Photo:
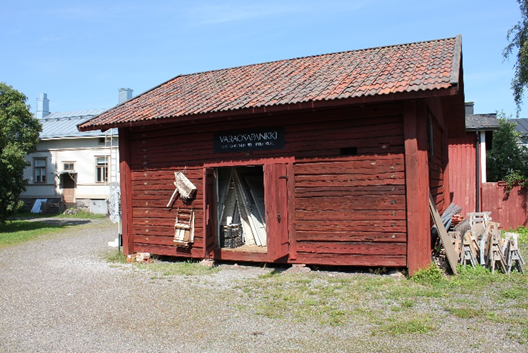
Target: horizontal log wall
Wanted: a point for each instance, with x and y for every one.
(349, 209)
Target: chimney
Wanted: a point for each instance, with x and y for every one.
(42, 106)
(124, 95)
(469, 108)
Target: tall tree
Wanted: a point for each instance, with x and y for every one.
(19, 132)
(518, 40)
(508, 159)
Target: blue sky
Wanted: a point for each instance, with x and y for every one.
(81, 52)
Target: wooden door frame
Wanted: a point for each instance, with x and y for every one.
(210, 212)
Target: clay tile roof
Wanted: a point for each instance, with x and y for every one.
(382, 72)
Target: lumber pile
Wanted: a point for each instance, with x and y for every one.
(241, 205)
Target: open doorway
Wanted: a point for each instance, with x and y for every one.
(241, 209)
(67, 182)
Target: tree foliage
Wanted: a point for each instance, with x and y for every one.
(19, 132)
(518, 41)
(508, 159)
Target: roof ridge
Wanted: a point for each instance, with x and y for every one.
(313, 56)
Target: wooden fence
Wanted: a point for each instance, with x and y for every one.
(509, 209)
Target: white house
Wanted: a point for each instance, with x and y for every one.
(73, 168)
(521, 125)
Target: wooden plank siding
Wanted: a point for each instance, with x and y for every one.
(352, 209)
(348, 195)
(509, 209)
(462, 172)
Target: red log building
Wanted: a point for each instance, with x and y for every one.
(333, 155)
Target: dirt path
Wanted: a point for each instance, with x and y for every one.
(60, 295)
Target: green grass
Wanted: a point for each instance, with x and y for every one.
(414, 325)
(185, 268)
(19, 231)
(388, 305)
(466, 313)
(116, 256)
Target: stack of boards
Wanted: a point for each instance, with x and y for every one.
(241, 203)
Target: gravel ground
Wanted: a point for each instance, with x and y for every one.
(60, 295)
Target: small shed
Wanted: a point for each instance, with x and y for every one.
(326, 159)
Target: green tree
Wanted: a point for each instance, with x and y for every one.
(19, 132)
(518, 40)
(508, 159)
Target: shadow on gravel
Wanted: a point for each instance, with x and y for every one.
(38, 223)
(13, 227)
(64, 222)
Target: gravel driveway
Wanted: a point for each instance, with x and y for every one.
(60, 295)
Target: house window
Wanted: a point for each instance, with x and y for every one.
(68, 166)
(40, 170)
(101, 169)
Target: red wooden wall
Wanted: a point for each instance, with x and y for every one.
(462, 172)
(510, 210)
(437, 164)
(343, 209)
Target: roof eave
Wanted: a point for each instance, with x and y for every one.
(263, 110)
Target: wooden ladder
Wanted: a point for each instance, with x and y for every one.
(184, 227)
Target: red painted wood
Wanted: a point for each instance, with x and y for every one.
(417, 182)
(510, 210)
(352, 260)
(352, 248)
(169, 250)
(373, 215)
(209, 211)
(352, 235)
(158, 239)
(345, 224)
(276, 180)
(333, 198)
(348, 203)
(462, 172)
(126, 196)
(291, 213)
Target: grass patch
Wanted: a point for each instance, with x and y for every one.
(429, 275)
(415, 325)
(466, 313)
(514, 293)
(187, 268)
(19, 231)
(116, 256)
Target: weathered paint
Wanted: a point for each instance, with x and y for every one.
(509, 209)
(462, 172)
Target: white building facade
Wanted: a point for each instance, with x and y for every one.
(70, 168)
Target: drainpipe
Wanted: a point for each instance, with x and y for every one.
(477, 175)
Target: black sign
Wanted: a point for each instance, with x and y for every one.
(249, 140)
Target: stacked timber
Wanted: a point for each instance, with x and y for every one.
(241, 208)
